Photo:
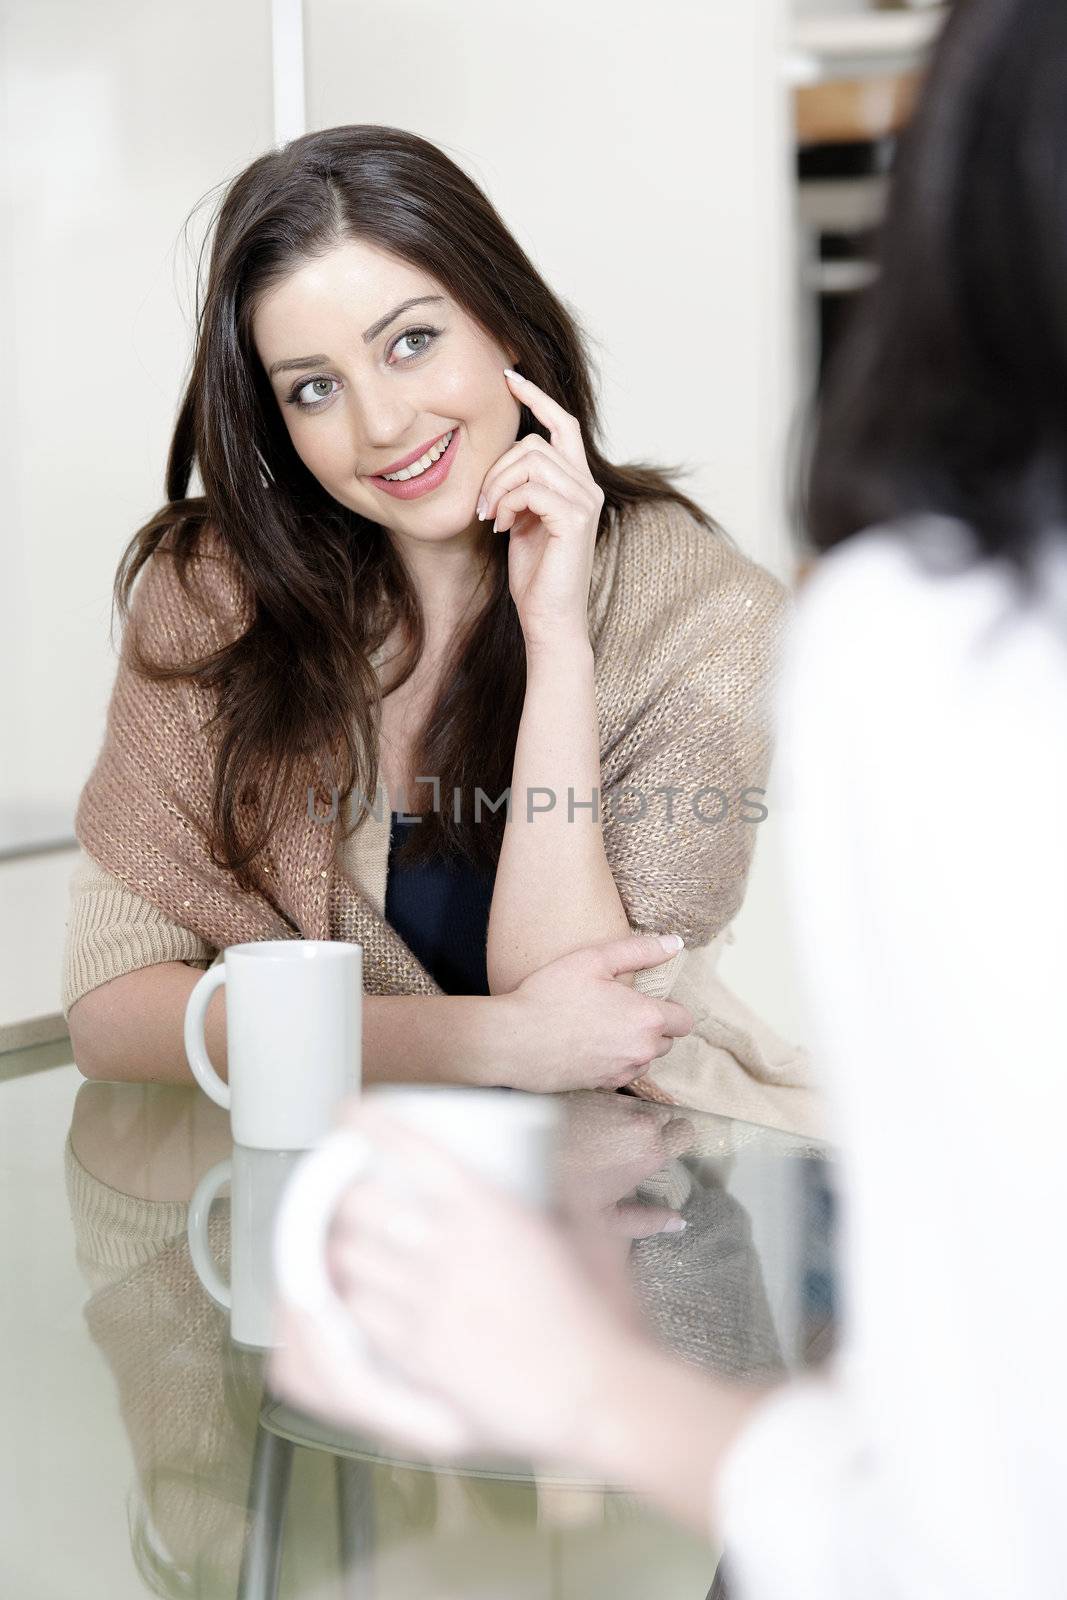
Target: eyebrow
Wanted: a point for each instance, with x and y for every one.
(371, 333)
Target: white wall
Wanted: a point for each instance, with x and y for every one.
(117, 119)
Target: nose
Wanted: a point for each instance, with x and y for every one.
(383, 421)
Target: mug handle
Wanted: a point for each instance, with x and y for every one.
(195, 1048)
(302, 1228)
(196, 1228)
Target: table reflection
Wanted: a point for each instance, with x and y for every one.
(235, 1492)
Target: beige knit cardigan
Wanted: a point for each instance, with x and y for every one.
(686, 632)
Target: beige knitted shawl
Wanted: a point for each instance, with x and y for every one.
(685, 631)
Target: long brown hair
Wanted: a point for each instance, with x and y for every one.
(948, 392)
(326, 585)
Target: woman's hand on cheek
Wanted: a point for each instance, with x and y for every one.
(544, 493)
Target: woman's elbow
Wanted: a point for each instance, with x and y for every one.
(95, 1035)
(79, 1027)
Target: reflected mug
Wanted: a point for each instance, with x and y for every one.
(257, 1179)
(294, 1015)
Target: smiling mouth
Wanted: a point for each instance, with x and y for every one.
(403, 486)
(421, 463)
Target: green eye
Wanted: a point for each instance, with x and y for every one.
(309, 405)
(429, 335)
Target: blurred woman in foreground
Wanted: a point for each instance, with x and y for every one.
(922, 769)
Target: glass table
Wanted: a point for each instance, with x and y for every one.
(144, 1455)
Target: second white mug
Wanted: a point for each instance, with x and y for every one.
(508, 1136)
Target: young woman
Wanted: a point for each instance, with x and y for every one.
(923, 748)
(413, 570)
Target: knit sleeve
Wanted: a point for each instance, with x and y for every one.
(684, 780)
(111, 931)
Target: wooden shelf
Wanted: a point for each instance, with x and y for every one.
(848, 110)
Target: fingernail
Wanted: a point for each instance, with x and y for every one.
(675, 1225)
(509, 372)
(483, 507)
(671, 941)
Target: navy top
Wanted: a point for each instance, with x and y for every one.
(441, 911)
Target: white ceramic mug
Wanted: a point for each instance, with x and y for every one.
(257, 1179)
(507, 1136)
(294, 1016)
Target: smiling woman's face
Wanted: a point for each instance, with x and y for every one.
(362, 388)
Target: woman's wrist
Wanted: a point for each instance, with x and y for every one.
(493, 1045)
(501, 1057)
(567, 649)
(481, 1040)
(662, 1428)
(432, 1038)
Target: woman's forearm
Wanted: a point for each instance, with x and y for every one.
(132, 1029)
(433, 1038)
(554, 890)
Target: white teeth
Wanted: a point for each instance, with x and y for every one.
(433, 454)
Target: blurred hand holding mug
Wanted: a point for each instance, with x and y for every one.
(509, 1138)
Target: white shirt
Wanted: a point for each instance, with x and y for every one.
(922, 779)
